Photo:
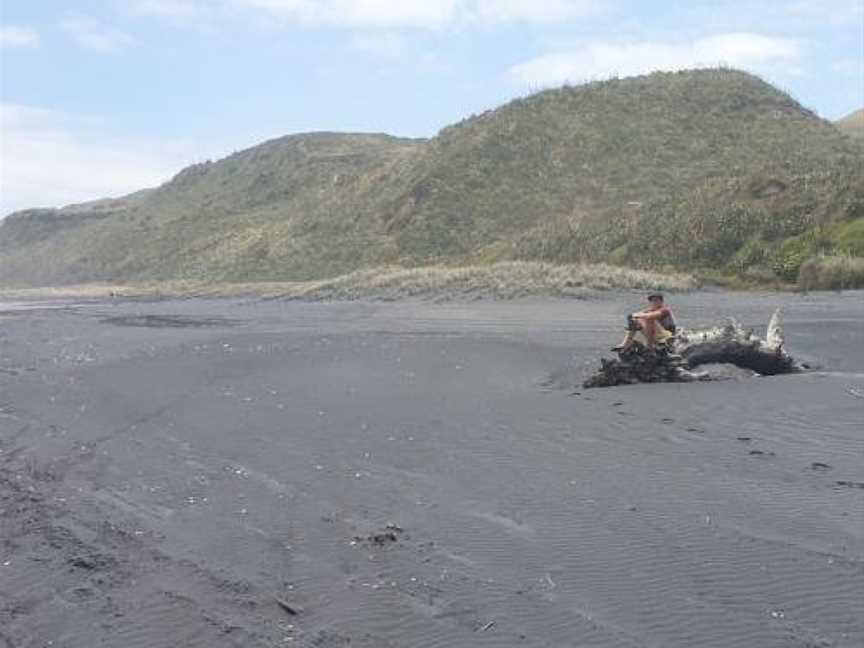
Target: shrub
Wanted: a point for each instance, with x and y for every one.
(831, 273)
(504, 280)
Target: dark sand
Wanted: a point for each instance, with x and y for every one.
(168, 470)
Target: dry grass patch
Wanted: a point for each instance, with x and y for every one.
(82, 291)
(832, 273)
(505, 280)
(153, 290)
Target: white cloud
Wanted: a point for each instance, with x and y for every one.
(537, 11)
(93, 35)
(52, 159)
(429, 14)
(826, 12)
(426, 14)
(386, 45)
(393, 51)
(850, 67)
(204, 16)
(18, 37)
(602, 60)
(367, 13)
(169, 8)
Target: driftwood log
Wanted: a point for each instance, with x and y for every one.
(675, 362)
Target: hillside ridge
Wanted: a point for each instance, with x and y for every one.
(712, 170)
(852, 124)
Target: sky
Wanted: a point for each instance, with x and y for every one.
(104, 97)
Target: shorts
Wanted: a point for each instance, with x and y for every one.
(663, 334)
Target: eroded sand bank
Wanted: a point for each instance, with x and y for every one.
(170, 471)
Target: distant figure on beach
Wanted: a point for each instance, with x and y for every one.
(657, 324)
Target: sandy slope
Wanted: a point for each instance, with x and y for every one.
(169, 469)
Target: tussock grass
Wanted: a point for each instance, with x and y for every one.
(505, 280)
(832, 273)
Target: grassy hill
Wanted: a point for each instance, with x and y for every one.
(258, 214)
(709, 170)
(853, 124)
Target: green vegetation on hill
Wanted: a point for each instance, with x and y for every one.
(265, 213)
(853, 124)
(702, 170)
(832, 273)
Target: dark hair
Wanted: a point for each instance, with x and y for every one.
(655, 296)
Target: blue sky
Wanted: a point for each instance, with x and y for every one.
(101, 97)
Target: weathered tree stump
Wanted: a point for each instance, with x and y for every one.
(674, 362)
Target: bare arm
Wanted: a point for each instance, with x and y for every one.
(649, 315)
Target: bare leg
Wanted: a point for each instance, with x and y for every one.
(649, 330)
(625, 343)
(633, 325)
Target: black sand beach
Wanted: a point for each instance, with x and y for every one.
(411, 475)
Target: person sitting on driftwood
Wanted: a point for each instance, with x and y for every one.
(657, 324)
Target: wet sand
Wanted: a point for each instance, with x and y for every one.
(260, 473)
